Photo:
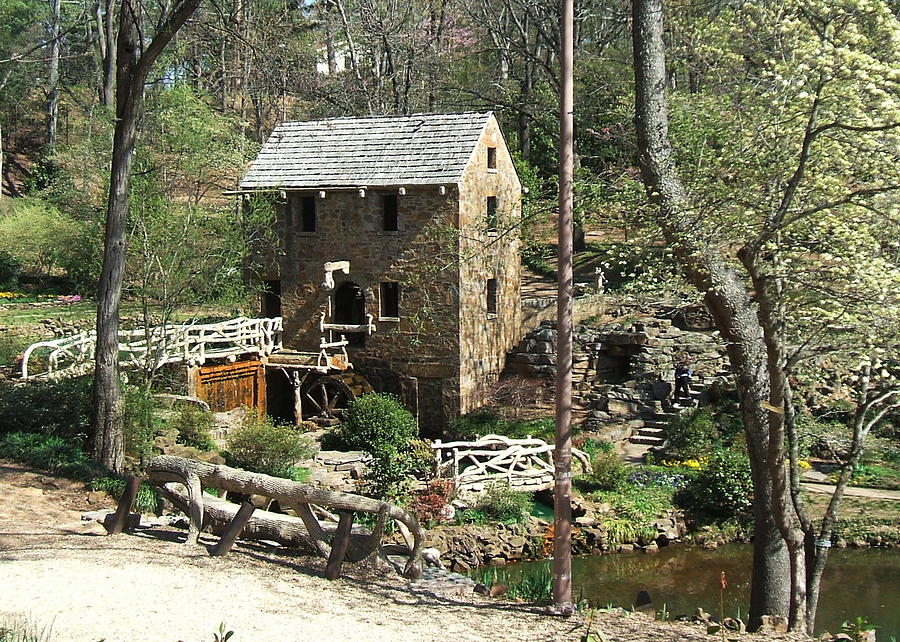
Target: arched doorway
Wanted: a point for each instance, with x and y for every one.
(350, 309)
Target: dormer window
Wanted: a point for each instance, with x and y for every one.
(492, 158)
(389, 218)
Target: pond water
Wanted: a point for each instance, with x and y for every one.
(857, 582)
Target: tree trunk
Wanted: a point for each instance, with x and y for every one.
(725, 294)
(132, 69)
(108, 50)
(53, 81)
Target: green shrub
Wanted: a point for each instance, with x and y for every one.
(194, 425)
(377, 422)
(12, 347)
(422, 459)
(691, 434)
(142, 423)
(607, 471)
(10, 267)
(47, 452)
(148, 499)
(380, 425)
(60, 408)
(487, 422)
(723, 487)
(500, 503)
(261, 446)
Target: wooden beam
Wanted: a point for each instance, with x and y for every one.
(234, 529)
(117, 524)
(339, 547)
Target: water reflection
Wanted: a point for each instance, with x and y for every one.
(856, 582)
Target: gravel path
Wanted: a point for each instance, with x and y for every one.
(65, 577)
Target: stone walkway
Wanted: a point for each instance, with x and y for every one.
(854, 491)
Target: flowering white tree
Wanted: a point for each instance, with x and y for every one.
(781, 207)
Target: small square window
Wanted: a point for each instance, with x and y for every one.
(492, 296)
(390, 300)
(492, 158)
(389, 218)
(491, 207)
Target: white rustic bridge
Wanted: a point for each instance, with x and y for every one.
(525, 464)
(190, 343)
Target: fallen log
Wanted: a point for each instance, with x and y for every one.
(205, 510)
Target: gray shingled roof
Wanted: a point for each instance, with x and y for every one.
(383, 150)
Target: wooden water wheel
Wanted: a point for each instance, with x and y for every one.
(325, 397)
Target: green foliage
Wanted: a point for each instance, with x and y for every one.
(692, 434)
(377, 422)
(37, 235)
(500, 503)
(61, 408)
(194, 425)
(723, 487)
(142, 423)
(534, 585)
(148, 499)
(222, 635)
(47, 452)
(607, 471)
(381, 426)
(422, 459)
(261, 446)
(12, 347)
(10, 267)
(486, 422)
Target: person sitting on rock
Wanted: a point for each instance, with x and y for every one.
(683, 373)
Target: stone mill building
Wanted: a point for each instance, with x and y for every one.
(425, 208)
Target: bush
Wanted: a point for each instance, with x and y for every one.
(429, 505)
(142, 424)
(261, 446)
(377, 422)
(487, 422)
(380, 425)
(501, 503)
(9, 271)
(194, 425)
(723, 488)
(691, 434)
(48, 452)
(59, 408)
(607, 471)
(148, 499)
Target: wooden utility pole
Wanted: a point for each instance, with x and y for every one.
(562, 459)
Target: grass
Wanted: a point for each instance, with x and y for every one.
(536, 585)
(21, 630)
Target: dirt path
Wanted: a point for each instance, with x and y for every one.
(64, 576)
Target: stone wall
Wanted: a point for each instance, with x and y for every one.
(445, 350)
(617, 368)
(486, 336)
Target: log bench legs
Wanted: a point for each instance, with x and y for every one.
(116, 524)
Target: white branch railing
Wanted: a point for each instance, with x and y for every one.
(525, 464)
(154, 347)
